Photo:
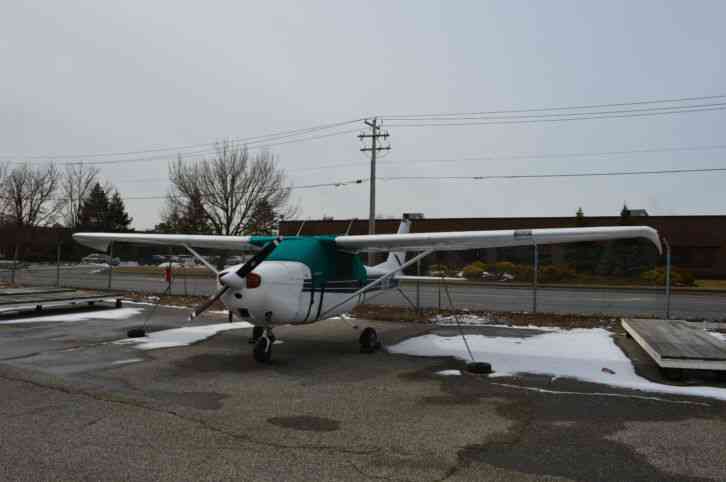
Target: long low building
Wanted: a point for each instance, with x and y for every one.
(698, 243)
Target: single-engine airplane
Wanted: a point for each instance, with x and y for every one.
(303, 279)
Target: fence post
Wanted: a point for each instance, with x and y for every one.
(441, 281)
(57, 265)
(110, 264)
(534, 278)
(15, 265)
(418, 287)
(668, 278)
(184, 275)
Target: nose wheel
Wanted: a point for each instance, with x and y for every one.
(263, 346)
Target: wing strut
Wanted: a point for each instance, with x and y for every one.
(201, 259)
(378, 281)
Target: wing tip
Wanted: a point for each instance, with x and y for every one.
(91, 240)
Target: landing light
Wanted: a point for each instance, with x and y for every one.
(253, 280)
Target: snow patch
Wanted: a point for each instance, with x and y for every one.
(589, 355)
(720, 336)
(448, 373)
(180, 336)
(111, 314)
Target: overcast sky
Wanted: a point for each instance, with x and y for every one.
(108, 77)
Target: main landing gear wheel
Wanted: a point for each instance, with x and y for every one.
(263, 349)
(263, 345)
(369, 341)
(257, 333)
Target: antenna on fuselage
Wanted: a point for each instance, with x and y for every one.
(350, 225)
(299, 230)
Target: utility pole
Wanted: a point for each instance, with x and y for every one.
(374, 148)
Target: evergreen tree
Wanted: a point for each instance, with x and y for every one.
(118, 219)
(579, 217)
(95, 209)
(624, 214)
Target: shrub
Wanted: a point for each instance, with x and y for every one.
(505, 267)
(557, 273)
(522, 272)
(481, 265)
(679, 277)
(472, 272)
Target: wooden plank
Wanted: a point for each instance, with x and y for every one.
(678, 340)
(55, 297)
(636, 328)
(26, 291)
(40, 298)
(679, 345)
(696, 340)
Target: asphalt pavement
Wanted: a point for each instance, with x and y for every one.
(77, 407)
(614, 302)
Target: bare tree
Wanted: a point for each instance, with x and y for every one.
(77, 182)
(31, 194)
(232, 187)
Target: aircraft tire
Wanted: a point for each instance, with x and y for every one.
(136, 333)
(369, 341)
(263, 350)
(482, 368)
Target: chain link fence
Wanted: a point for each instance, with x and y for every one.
(623, 278)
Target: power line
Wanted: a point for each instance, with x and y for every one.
(151, 197)
(198, 152)
(571, 107)
(570, 114)
(497, 177)
(551, 176)
(504, 157)
(259, 139)
(573, 117)
(351, 182)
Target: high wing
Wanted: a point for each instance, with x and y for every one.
(101, 241)
(461, 240)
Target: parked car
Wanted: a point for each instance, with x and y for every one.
(98, 258)
(234, 260)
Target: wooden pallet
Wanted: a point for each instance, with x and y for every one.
(27, 299)
(677, 344)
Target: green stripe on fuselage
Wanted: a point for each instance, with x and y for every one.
(320, 254)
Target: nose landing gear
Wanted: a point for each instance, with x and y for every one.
(369, 341)
(263, 344)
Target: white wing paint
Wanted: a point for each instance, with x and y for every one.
(101, 241)
(444, 241)
(461, 240)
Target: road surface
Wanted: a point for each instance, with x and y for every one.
(614, 302)
(78, 407)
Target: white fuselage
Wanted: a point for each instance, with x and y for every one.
(286, 295)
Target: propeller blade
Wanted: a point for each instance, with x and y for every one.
(205, 306)
(258, 258)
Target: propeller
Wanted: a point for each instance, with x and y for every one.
(235, 279)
